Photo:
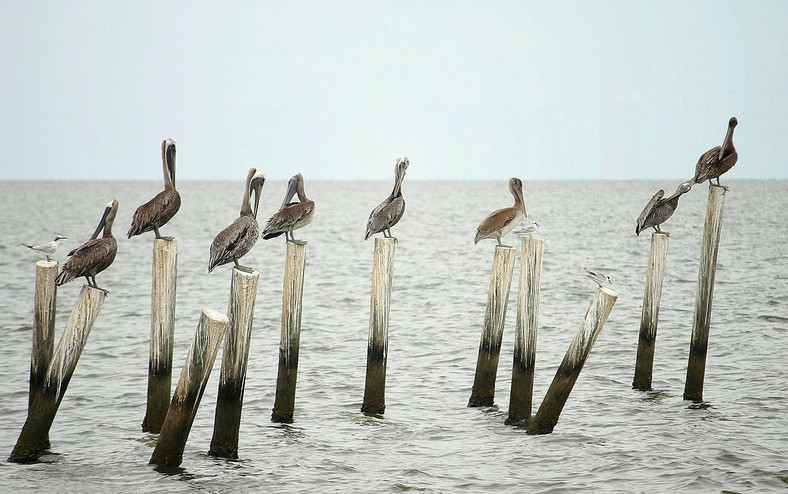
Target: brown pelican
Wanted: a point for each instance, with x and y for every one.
(95, 255)
(658, 210)
(236, 240)
(502, 221)
(158, 211)
(599, 278)
(718, 159)
(48, 248)
(389, 212)
(291, 215)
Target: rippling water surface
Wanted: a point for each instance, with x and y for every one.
(610, 438)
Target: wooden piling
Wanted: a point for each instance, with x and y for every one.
(377, 346)
(547, 416)
(696, 367)
(483, 392)
(649, 318)
(33, 440)
(162, 332)
(235, 356)
(191, 385)
(523, 365)
(44, 308)
(292, 295)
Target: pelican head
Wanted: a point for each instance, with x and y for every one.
(727, 144)
(168, 160)
(401, 166)
(108, 217)
(516, 188)
(683, 188)
(256, 186)
(293, 186)
(733, 122)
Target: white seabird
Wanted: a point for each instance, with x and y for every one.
(599, 278)
(47, 249)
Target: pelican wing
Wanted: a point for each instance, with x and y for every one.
(88, 259)
(704, 169)
(496, 221)
(158, 211)
(289, 217)
(385, 215)
(234, 241)
(648, 210)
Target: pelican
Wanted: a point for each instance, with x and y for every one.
(658, 210)
(599, 278)
(718, 159)
(502, 221)
(47, 249)
(291, 215)
(236, 240)
(389, 212)
(527, 230)
(158, 211)
(95, 255)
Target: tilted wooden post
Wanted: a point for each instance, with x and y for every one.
(235, 356)
(547, 416)
(292, 295)
(34, 439)
(696, 367)
(377, 346)
(44, 309)
(649, 318)
(483, 392)
(191, 385)
(162, 332)
(524, 361)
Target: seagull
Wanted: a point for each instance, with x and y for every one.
(527, 230)
(47, 249)
(599, 278)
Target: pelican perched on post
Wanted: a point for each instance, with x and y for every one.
(389, 212)
(95, 255)
(158, 211)
(658, 210)
(47, 249)
(236, 240)
(502, 221)
(291, 215)
(718, 159)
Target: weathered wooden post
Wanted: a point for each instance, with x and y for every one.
(649, 318)
(547, 416)
(521, 394)
(292, 295)
(44, 309)
(191, 385)
(377, 346)
(483, 392)
(235, 356)
(34, 437)
(162, 332)
(696, 367)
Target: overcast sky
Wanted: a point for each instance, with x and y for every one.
(341, 89)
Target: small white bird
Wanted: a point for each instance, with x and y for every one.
(599, 278)
(48, 248)
(527, 230)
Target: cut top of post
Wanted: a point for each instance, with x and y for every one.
(44, 264)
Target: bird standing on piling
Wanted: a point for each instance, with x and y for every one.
(236, 240)
(47, 249)
(599, 278)
(291, 215)
(389, 212)
(527, 230)
(658, 210)
(718, 159)
(95, 255)
(158, 211)
(502, 221)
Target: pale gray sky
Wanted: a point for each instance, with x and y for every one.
(340, 89)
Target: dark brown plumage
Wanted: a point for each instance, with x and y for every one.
(95, 255)
(291, 215)
(389, 212)
(158, 211)
(718, 159)
(658, 210)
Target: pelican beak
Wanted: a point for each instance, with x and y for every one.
(103, 221)
(168, 154)
(522, 200)
(292, 188)
(257, 188)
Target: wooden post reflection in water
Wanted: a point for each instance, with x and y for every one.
(547, 416)
(649, 318)
(483, 392)
(524, 361)
(292, 295)
(377, 346)
(34, 438)
(235, 356)
(191, 385)
(162, 332)
(44, 309)
(696, 367)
